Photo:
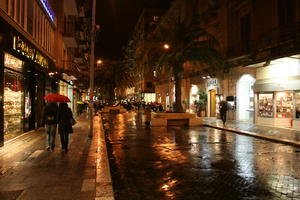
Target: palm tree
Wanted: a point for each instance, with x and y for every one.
(113, 78)
(188, 43)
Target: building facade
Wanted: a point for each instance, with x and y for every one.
(31, 65)
(260, 80)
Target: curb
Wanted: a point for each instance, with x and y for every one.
(248, 133)
(104, 186)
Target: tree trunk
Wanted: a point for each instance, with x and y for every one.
(111, 95)
(178, 105)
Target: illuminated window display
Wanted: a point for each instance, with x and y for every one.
(284, 104)
(13, 96)
(265, 105)
(297, 106)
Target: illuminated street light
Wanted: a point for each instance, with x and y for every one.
(99, 62)
(166, 46)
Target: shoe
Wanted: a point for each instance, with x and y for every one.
(48, 148)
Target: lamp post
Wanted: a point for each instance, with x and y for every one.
(92, 70)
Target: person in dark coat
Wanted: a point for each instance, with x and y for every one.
(223, 110)
(64, 116)
(49, 120)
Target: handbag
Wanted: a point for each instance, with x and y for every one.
(73, 121)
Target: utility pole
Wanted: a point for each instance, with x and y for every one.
(92, 70)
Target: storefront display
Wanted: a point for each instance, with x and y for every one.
(12, 102)
(265, 105)
(284, 105)
(297, 105)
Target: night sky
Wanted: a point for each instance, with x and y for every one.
(117, 19)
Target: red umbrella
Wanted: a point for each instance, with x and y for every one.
(57, 98)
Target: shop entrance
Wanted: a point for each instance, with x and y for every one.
(245, 98)
(212, 103)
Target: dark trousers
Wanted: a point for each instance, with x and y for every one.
(223, 115)
(64, 139)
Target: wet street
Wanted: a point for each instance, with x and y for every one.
(197, 163)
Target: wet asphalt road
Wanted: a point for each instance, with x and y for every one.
(197, 163)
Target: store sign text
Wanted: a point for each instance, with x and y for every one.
(27, 50)
(212, 82)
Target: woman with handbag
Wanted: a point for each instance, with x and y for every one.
(65, 121)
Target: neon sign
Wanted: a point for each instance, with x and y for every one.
(48, 9)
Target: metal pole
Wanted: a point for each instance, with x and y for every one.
(92, 66)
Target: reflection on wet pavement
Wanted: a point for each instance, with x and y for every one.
(197, 163)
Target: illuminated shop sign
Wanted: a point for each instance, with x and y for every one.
(13, 62)
(29, 51)
(212, 82)
(48, 9)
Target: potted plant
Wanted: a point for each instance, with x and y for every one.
(201, 102)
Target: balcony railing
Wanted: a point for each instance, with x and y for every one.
(70, 29)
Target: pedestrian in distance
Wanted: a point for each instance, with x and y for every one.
(49, 120)
(223, 111)
(65, 121)
(147, 113)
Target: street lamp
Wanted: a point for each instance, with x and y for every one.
(99, 62)
(166, 46)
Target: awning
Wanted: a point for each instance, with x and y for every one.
(271, 85)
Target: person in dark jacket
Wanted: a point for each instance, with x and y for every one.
(64, 117)
(223, 110)
(49, 119)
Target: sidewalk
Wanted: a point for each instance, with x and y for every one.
(282, 135)
(29, 172)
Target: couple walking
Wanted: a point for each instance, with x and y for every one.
(61, 115)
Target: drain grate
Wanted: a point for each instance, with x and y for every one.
(10, 195)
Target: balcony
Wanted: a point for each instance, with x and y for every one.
(70, 33)
(277, 42)
(278, 36)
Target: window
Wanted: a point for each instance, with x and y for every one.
(286, 12)
(149, 85)
(155, 18)
(265, 105)
(245, 32)
(284, 105)
(13, 98)
(297, 105)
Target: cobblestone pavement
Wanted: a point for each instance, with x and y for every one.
(29, 172)
(183, 163)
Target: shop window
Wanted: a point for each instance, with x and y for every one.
(265, 105)
(297, 106)
(284, 105)
(12, 103)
